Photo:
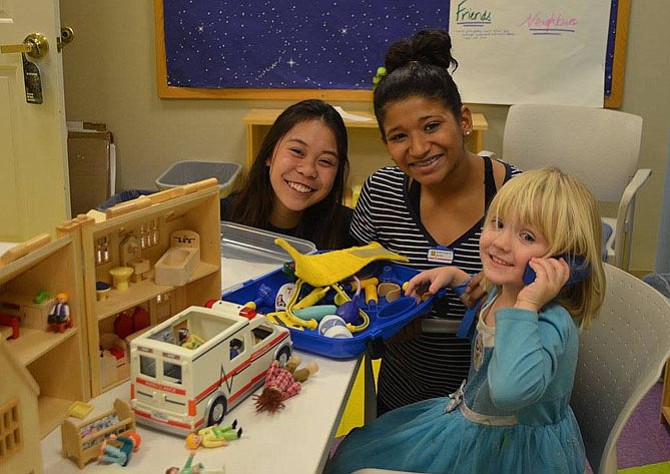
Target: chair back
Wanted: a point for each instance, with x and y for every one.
(621, 357)
(598, 146)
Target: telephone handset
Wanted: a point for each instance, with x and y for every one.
(579, 270)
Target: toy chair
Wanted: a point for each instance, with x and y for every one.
(598, 146)
(621, 357)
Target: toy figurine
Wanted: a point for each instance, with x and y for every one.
(189, 467)
(59, 316)
(120, 455)
(283, 383)
(213, 436)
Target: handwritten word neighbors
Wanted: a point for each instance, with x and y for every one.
(552, 24)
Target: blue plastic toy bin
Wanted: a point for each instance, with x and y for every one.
(386, 318)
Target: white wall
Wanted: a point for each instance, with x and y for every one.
(110, 76)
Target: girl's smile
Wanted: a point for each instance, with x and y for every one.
(424, 138)
(506, 246)
(303, 168)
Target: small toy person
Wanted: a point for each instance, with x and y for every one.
(214, 436)
(188, 468)
(235, 347)
(59, 316)
(119, 455)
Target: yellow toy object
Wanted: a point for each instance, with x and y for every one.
(193, 342)
(289, 319)
(325, 269)
(282, 319)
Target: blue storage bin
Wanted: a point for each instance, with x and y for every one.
(386, 318)
(191, 171)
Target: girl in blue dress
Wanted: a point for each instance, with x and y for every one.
(513, 413)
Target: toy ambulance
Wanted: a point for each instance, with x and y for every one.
(189, 371)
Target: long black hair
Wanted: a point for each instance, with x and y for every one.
(256, 197)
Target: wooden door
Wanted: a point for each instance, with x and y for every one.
(34, 188)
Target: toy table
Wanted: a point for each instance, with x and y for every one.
(294, 440)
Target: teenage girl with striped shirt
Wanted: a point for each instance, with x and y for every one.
(429, 206)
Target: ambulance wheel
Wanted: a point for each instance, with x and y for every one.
(217, 411)
(283, 356)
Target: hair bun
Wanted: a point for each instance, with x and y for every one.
(398, 55)
(431, 46)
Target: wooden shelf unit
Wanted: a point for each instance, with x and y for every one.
(53, 359)
(196, 210)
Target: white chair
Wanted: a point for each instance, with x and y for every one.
(621, 357)
(598, 146)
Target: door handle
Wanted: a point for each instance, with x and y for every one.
(35, 45)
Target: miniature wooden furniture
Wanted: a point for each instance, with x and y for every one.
(177, 264)
(31, 313)
(82, 440)
(121, 277)
(259, 121)
(12, 322)
(114, 363)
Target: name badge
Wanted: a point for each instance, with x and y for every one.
(442, 255)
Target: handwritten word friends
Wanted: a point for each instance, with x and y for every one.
(465, 14)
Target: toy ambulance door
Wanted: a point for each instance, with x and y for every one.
(167, 392)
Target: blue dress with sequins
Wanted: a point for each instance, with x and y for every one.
(512, 415)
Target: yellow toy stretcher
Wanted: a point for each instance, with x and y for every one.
(325, 269)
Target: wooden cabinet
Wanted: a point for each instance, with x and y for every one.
(53, 359)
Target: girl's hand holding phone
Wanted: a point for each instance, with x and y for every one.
(551, 275)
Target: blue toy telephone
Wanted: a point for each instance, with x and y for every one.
(579, 270)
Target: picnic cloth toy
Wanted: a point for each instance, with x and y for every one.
(325, 269)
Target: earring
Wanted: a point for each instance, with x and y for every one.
(467, 133)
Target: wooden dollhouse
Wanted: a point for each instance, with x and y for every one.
(19, 424)
(91, 356)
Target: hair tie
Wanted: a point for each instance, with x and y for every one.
(381, 72)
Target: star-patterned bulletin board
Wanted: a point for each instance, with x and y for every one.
(294, 49)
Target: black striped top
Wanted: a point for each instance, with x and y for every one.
(387, 212)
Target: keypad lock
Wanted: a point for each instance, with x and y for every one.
(35, 46)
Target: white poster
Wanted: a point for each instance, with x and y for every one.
(523, 51)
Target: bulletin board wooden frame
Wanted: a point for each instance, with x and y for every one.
(166, 91)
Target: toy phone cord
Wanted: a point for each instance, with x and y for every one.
(312, 324)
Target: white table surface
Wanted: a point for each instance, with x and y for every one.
(294, 440)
